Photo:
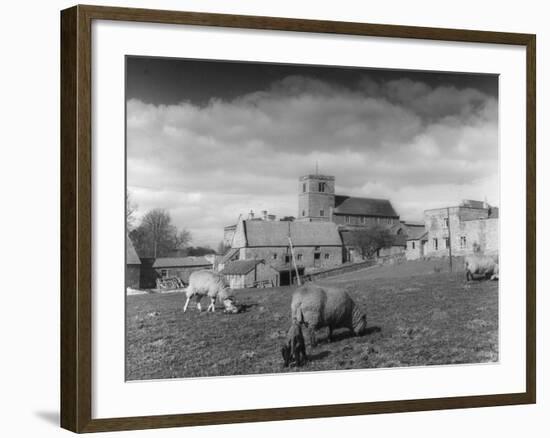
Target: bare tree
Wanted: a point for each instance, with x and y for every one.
(368, 241)
(131, 208)
(156, 236)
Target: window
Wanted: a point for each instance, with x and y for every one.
(463, 242)
(348, 219)
(317, 248)
(322, 186)
(303, 212)
(447, 242)
(435, 243)
(317, 256)
(274, 256)
(413, 245)
(445, 222)
(287, 259)
(321, 213)
(164, 273)
(304, 187)
(327, 256)
(299, 257)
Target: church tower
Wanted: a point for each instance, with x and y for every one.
(316, 198)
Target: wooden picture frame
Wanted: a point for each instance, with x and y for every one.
(76, 218)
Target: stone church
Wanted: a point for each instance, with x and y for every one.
(317, 201)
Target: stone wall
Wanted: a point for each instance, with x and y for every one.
(329, 256)
(466, 226)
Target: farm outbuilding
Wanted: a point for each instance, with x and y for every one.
(133, 265)
(242, 274)
(180, 267)
(416, 242)
(316, 245)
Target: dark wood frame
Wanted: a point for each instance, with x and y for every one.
(76, 238)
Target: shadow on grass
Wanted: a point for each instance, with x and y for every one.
(373, 329)
(318, 356)
(337, 337)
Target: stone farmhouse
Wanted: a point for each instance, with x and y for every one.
(468, 226)
(315, 245)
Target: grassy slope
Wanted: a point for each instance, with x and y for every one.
(424, 318)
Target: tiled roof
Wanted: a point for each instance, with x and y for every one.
(364, 206)
(131, 254)
(240, 267)
(416, 233)
(176, 262)
(275, 233)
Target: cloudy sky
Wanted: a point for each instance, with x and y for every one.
(211, 140)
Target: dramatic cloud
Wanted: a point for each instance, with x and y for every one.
(418, 145)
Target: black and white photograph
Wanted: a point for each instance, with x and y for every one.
(305, 218)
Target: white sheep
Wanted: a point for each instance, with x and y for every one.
(206, 283)
(478, 264)
(331, 307)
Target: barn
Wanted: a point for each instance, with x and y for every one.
(133, 265)
(242, 274)
(180, 267)
(316, 245)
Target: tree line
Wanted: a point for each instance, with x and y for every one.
(154, 235)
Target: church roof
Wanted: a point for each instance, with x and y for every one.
(363, 206)
(275, 233)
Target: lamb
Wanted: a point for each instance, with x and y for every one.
(331, 307)
(295, 347)
(206, 283)
(483, 265)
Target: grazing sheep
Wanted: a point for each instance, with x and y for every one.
(206, 283)
(295, 347)
(230, 306)
(482, 265)
(331, 307)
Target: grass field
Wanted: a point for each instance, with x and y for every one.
(416, 316)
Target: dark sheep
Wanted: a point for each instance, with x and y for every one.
(295, 347)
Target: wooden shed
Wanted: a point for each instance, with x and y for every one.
(242, 274)
(180, 267)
